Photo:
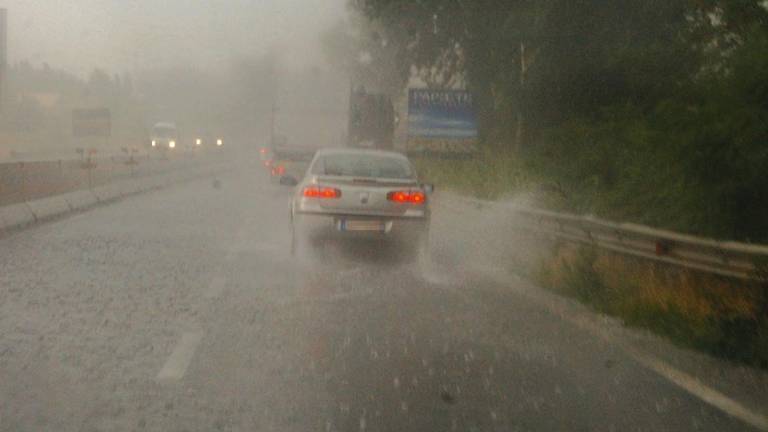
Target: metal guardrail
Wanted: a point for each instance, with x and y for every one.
(725, 258)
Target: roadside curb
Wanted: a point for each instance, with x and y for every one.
(48, 208)
(81, 199)
(16, 217)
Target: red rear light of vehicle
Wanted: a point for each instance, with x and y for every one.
(410, 197)
(280, 170)
(399, 196)
(321, 192)
(417, 197)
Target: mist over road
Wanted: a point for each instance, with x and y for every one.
(182, 310)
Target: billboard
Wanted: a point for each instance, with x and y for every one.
(441, 121)
(91, 123)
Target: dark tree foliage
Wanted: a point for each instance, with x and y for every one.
(654, 111)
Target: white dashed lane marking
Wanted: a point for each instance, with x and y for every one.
(176, 365)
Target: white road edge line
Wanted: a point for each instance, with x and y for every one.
(681, 379)
(178, 362)
(701, 391)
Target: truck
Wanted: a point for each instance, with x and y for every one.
(372, 120)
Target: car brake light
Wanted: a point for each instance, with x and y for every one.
(400, 196)
(280, 170)
(321, 192)
(412, 197)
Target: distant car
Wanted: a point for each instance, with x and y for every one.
(289, 162)
(206, 140)
(360, 194)
(164, 137)
(277, 170)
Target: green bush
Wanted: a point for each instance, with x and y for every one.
(694, 162)
(488, 175)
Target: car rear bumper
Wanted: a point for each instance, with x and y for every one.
(319, 227)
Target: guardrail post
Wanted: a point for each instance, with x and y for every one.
(662, 247)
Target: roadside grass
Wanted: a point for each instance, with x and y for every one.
(722, 317)
(486, 176)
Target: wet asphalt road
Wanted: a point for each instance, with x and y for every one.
(182, 310)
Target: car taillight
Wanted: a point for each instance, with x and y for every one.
(321, 192)
(411, 197)
(280, 170)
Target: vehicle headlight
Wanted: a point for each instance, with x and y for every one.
(219, 142)
(198, 141)
(154, 143)
(172, 144)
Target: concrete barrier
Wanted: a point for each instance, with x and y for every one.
(146, 184)
(108, 193)
(47, 208)
(80, 200)
(20, 215)
(15, 216)
(127, 188)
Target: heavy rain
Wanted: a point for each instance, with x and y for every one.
(370, 215)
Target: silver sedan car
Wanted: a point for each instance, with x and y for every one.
(361, 194)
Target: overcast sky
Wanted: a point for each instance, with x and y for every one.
(125, 35)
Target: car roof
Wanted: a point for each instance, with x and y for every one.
(356, 151)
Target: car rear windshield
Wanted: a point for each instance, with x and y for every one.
(362, 165)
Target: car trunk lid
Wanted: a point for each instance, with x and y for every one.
(365, 196)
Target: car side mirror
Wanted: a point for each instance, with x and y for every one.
(429, 188)
(288, 180)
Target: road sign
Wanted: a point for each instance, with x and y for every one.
(92, 123)
(441, 121)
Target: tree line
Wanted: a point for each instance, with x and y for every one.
(654, 111)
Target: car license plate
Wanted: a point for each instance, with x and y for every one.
(362, 225)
